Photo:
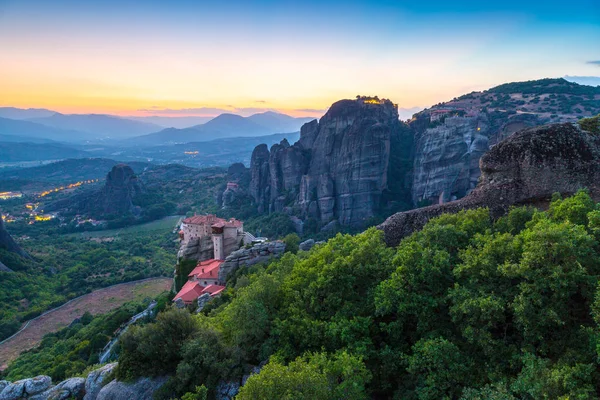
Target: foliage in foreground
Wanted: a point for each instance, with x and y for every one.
(467, 308)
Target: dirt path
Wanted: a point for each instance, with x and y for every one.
(98, 302)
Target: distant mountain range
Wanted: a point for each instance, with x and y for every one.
(98, 126)
(21, 113)
(225, 126)
(27, 131)
(172, 122)
(36, 125)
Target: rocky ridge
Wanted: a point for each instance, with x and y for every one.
(524, 169)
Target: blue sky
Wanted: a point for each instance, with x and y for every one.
(124, 56)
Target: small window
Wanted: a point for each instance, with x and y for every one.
(205, 282)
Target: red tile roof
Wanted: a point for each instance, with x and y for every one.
(203, 220)
(189, 292)
(213, 220)
(207, 269)
(213, 290)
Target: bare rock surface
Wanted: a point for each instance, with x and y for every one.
(244, 257)
(142, 389)
(95, 381)
(524, 169)
(73, 388)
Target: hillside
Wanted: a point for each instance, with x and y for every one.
(555, 99)
(12, 152)
(29, 129)
(71, 170)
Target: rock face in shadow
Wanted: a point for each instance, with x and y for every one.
(524, 169)
(8, 243)
(446, 164)
(115, 198)
(347, 167)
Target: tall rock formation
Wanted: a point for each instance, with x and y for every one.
(348, 167)
(116, 197)
(524, 169)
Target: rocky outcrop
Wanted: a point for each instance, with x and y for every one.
(40, 388)
(235, 193)
(95, 381)
(142, 389)
(524, 169)
(8, 243)
(347, 167)
(115, 198)
(260, 179)
(245, 257)
(73, 388)
(121, 187)
(94, 387)
(197, 249)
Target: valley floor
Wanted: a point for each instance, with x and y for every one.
(97, 302)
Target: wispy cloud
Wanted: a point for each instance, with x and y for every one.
(260, 101)
(597, 62)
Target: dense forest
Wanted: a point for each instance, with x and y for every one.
(467, 308)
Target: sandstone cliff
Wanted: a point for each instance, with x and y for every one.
(526, 168)
(348, 167)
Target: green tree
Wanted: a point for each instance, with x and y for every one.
(291, 241)
(155, 349)
(313, 377)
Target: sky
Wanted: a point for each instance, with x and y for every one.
(177, 58)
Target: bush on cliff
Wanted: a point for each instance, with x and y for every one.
(591, 124)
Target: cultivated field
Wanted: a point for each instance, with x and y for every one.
(97, 302)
